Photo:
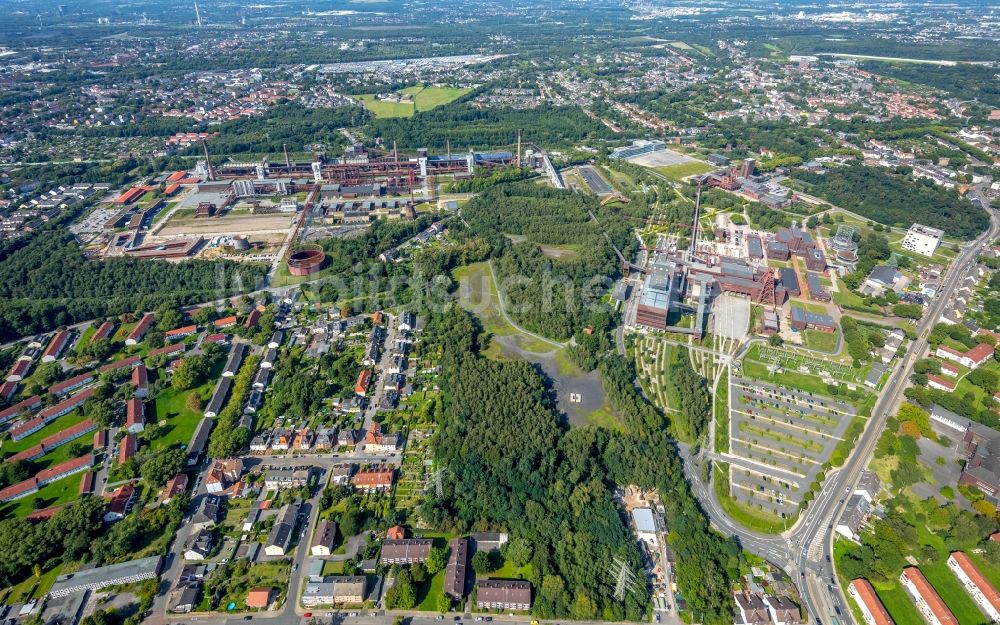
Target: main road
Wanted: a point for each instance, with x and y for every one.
(806, 549)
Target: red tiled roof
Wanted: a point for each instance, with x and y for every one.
(167, 349)
(131, 195)
(56, 344)
(980, 352)
(76, 399)
(126, 449)
(71, 383)
(181, 331)
(140, 328)
(27, 454)
(942, 381)
(7, 389)
(87, 483)
(65, 467)
(103, 331)
(259, 597)
(930, 596)
(974, 574)
(374, 477)
(225, 321)
(21, 487)
(140, 376)
(69, 433)
(100, 439)
(22, 406)
(118, 364)
(134, 412)
(252, 318)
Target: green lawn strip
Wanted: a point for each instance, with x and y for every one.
(791, 379)
(429, 592)
(722, 415)
(683, 170)
(954, 595)
(897, 602)
(54, 494)
(181, 421)
(821, 341)
(60, 424)
(757, 520)
(785, 439)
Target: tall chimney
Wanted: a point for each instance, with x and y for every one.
(208, 161)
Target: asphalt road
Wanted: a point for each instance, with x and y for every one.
(828, 506)
(805, 550)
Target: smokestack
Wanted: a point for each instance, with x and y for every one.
(448, 143)
(208, 161)
(288, 163)
(395, 154)
(517, 160)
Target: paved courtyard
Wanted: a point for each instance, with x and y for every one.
(731, 317)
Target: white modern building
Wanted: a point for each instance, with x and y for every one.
(922, 240)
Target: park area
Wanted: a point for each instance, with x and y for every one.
(406, 102)
(579, 395)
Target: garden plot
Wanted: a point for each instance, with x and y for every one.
(779, 441)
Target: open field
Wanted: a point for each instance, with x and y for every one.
(579, 395)
(683, 170)
(183, 222)
(55, 494)
(422, 99)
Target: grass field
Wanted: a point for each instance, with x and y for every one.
(683, 170)
(477, 293)
(54, 494)
(181, 421)
(58, 425)
(422, 99)
(822, 341)
(722, 415)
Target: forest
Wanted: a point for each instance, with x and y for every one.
(301, 129)
(896, 200)
(468, 128)
(552, 260)
(48, 283)
(508, 464)
(971, 81)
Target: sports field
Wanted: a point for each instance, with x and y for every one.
(421, 99)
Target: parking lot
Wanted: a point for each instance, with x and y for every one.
(594, 180)
(779, 440)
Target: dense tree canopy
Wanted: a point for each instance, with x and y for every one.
(48, 283)
(896, 200)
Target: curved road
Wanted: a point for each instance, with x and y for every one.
(806, 550)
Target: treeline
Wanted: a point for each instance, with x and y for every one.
(467, 127)
(965, 81)
(896, 200)
(48, 283)
(289, 124)
(77, 533)
(228, 437)
(553, 295)
(690, 391)
(509, 466)
(482, 181)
